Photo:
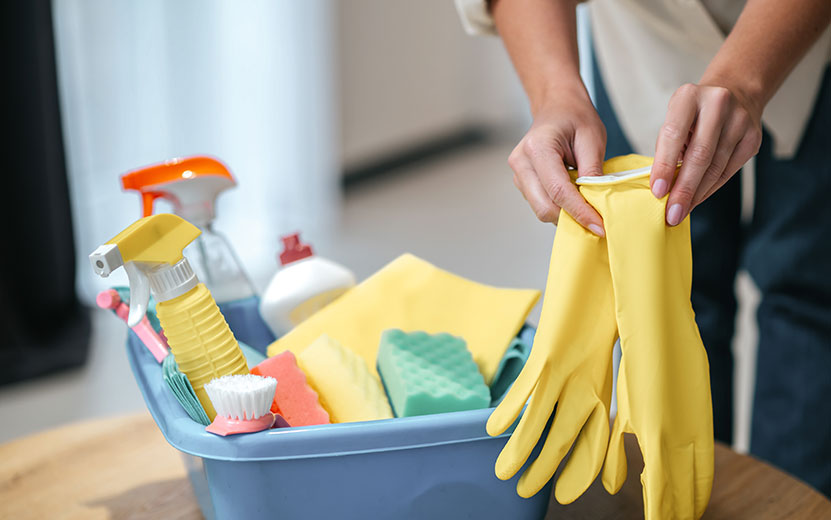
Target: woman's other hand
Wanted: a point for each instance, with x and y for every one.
(714, 131)
(566, 131)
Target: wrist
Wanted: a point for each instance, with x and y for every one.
(749, 91)
(557, 93)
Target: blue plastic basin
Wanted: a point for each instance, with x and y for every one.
(428, 467)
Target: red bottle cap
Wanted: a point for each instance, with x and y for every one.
(294, 249)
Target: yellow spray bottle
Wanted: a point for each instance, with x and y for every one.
(150, 250)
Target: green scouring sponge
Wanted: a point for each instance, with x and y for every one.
(426, 374)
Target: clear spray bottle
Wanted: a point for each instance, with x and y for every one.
(191, 185)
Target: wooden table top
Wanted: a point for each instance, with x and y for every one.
(83, 471)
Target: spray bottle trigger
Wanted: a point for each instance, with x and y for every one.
(148, 200)
(139, 293)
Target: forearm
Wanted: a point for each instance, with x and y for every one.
(767, 42)
(541, 38)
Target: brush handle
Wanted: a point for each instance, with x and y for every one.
(154, 343)
(157, 346)
(223, 426)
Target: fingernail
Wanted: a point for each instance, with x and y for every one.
(674, 215)
(597, 230)
(659, 188)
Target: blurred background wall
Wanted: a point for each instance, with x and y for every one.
(410, 76)
(253, 83)
(291, 95)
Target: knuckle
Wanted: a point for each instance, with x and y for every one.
(583, 217)
(519, 147)
(742, 118)
(545, 213)
(593, 132)
(663, 167)
(750, 144)
(699, 153)
(713, 173)
(592, 170)
(686, 90)
(684, 192)
(672, 131)
(514, 160)
(756, 141)
(721, 96)
(557, 191)
(517, 184)
(533, 146)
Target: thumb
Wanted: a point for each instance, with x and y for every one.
(589, 148)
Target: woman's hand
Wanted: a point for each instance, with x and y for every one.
(566, 131)
(713, 131)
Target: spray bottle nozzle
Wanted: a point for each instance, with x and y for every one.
(106, 259)
(150, 250)
(191, 184)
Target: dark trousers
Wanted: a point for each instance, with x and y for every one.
(786, 249)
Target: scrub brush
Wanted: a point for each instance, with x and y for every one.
(242, 403)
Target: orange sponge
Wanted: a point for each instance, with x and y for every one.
(294, 399)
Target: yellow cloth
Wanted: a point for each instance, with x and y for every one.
(411, 294)
(641, 289)
(664, 384)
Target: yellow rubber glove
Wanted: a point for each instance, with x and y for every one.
(412, 294)
(570, 365)
(664, 384)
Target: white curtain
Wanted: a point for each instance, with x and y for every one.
(250, 82)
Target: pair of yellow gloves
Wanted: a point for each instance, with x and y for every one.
(633, 284)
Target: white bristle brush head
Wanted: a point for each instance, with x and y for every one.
(242, 397)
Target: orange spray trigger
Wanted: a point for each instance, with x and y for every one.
(190, 184)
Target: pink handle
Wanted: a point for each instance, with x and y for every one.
(227, 426)
(108, 299)
(157, 346)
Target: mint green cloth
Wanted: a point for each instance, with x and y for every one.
(183, 391)
(511, 364)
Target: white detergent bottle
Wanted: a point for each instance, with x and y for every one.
(304, 284)
(191, 185)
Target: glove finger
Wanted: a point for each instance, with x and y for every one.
(528, 431)
(668, 483)
(614, 469)
(568, 421)
(704, 463)
(509, 409)
(586, 459)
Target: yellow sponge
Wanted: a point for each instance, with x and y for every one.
(347, 389)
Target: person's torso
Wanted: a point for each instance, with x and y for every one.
(646, 49)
